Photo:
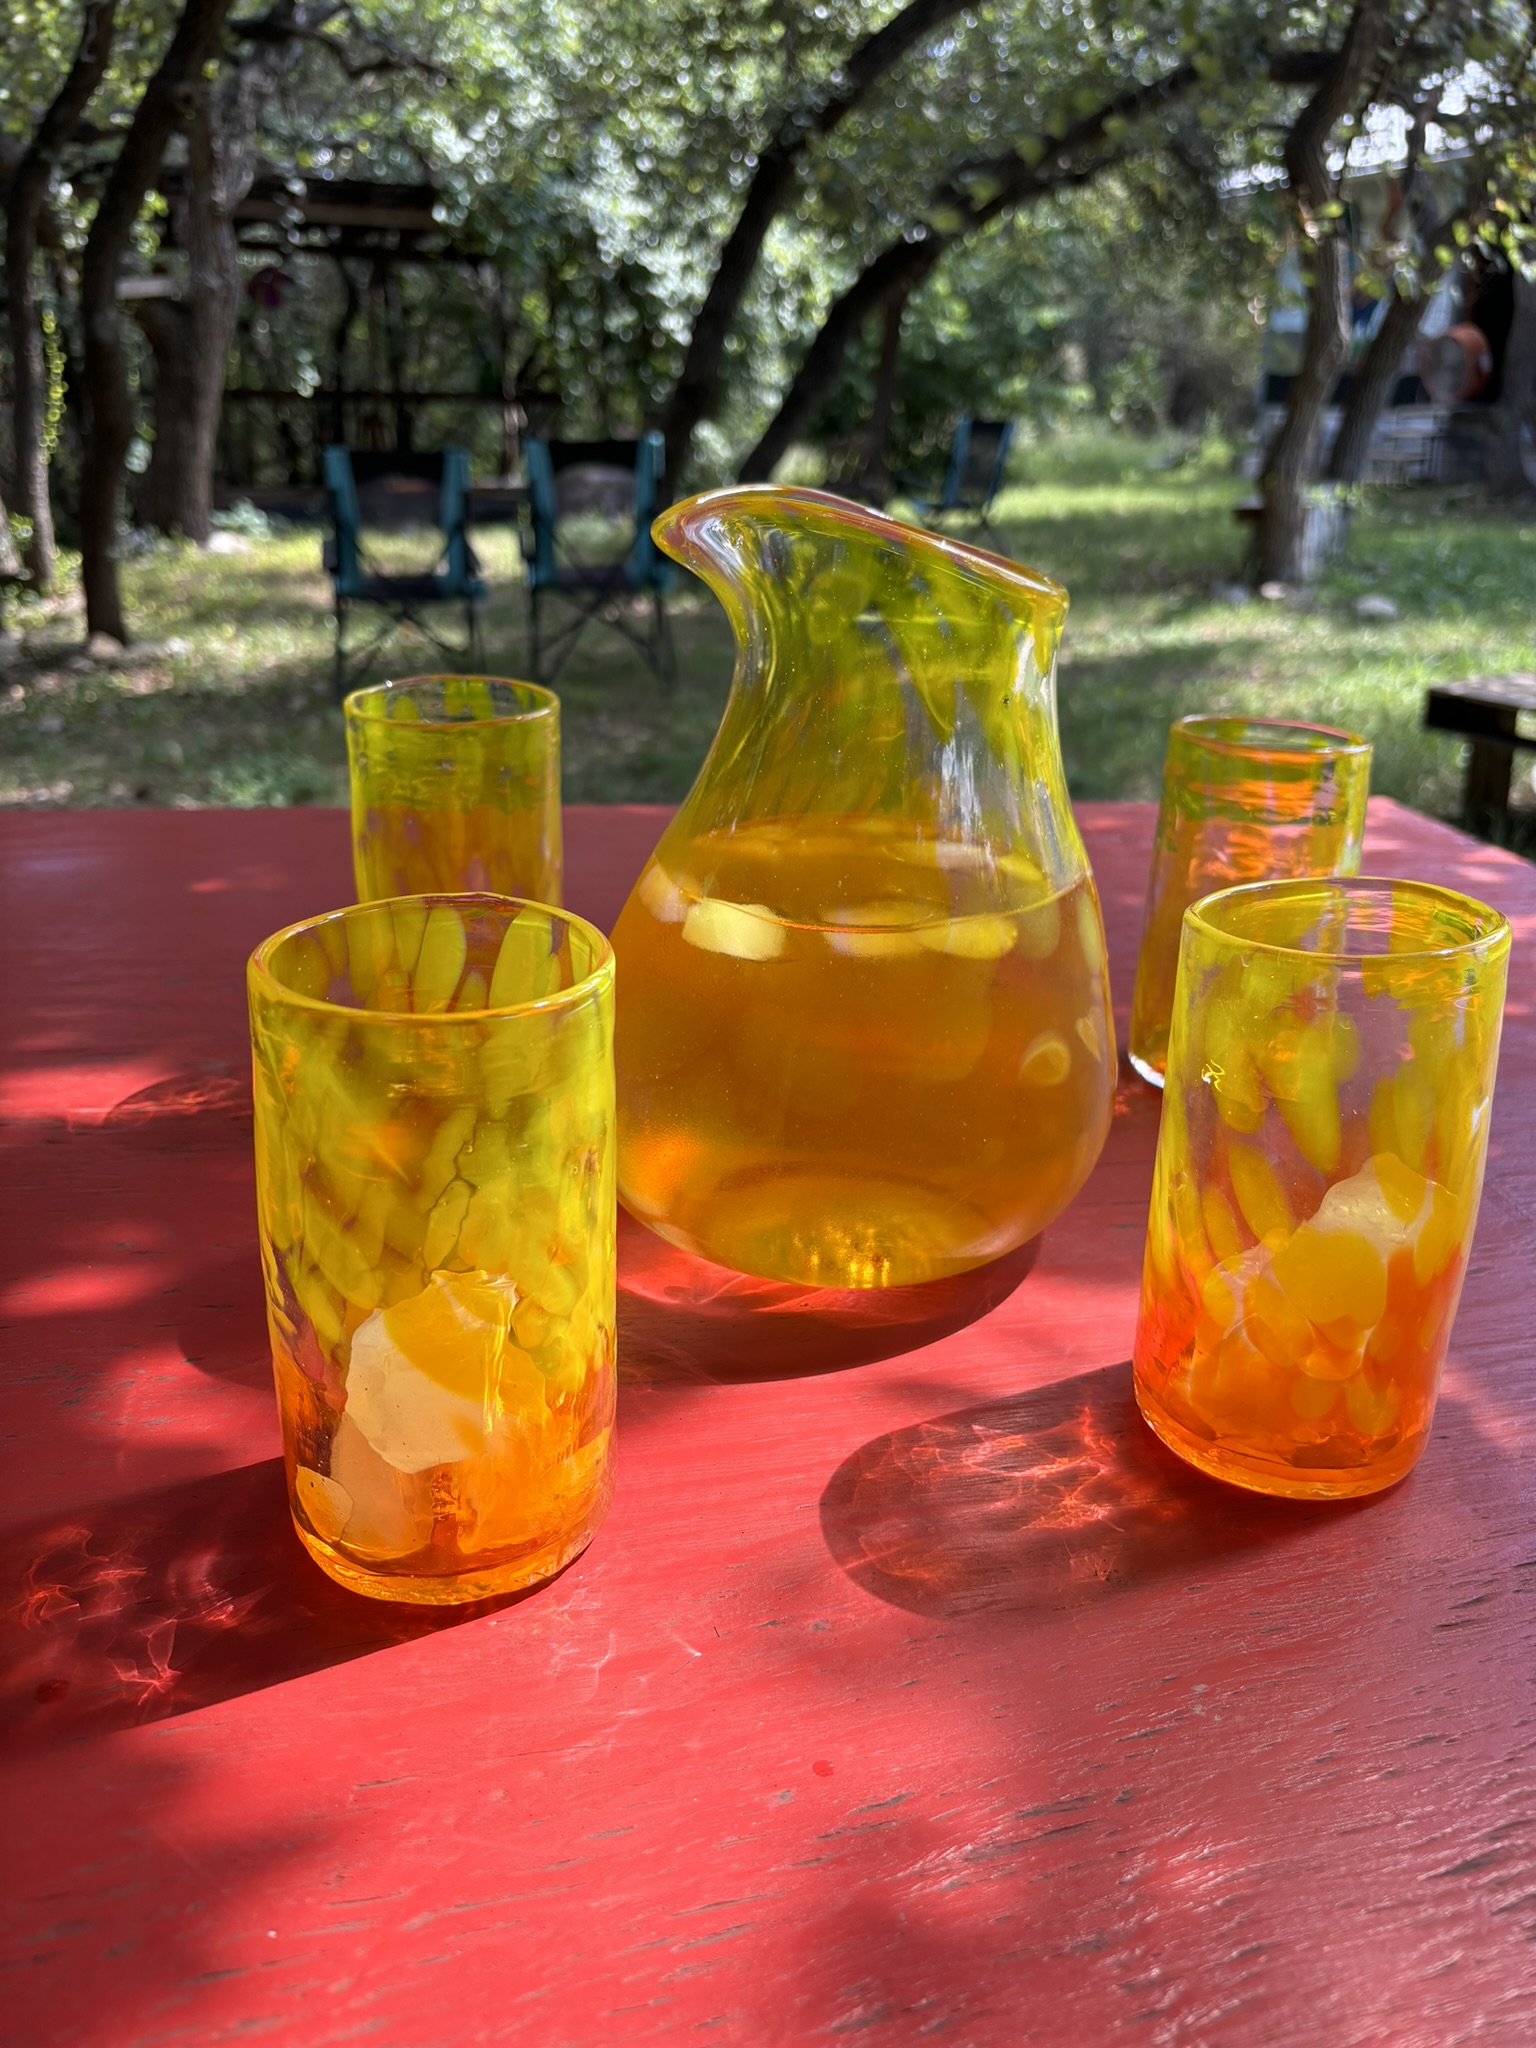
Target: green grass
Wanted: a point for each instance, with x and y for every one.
(227, 699)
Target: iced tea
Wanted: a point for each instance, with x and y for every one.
(455, 786)
(434, 1117)
(1319, 1164)
(858, 1056)
(1243, 800)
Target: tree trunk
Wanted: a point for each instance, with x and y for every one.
(108, 403)
(873, 479)
(24, 204)
(108, 432)
(395, 351)
(339, 337)
(179, 484)
(1279, 543)
(1506, 470)
(1375, 381)
(891, 279)
(159, 496)
(1280, 546)
(209, 312)
(191, 337)
(698, 382)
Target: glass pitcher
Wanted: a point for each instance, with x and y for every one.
(864, 1035)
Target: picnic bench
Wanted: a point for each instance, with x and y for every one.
(1485, 710)
(910, 1690)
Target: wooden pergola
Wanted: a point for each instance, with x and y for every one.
(384, 224)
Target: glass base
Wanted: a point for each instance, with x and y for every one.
(840, 1232)
(1222, 1462)
(1146, 1070)
(447, 1589)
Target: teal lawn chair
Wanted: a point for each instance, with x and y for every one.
(612, 483)
(978, 456)
(394, 491)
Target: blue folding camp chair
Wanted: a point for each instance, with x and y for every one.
(613, 481)
(978, 455)
(384, 491)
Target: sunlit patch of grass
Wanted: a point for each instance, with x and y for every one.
(229, 699)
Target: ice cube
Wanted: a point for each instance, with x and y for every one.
(391, 1511)
(1385, 1201)
(1047, 1061)
(877, 931)
(662, 897)
(744, 931)
(327, 1505)
(970, 938)
(413, 1422)
(423, 1375)
(1334, 1267)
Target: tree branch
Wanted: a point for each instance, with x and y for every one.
(1306, 147)
(1280, 548)
(1006, 182)
(698, 381)
(284, 26)
(167, 101)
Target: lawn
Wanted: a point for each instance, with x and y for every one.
(226, 697)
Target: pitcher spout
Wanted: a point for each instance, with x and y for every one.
(878, 667)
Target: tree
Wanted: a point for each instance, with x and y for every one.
(1313, 184)
(698, 381)
(168, 99)
(191, 335)
(872, 477)
(26, 198)
(1489, 131)
(973, 195)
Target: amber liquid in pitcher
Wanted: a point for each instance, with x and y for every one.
(881, 1057)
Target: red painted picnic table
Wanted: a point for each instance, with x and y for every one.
(909, 1691)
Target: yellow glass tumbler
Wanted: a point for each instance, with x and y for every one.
(1244, 800)
(1319, 1164)
(455, 786)
(436, 1195)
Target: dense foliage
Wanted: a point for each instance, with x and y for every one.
(1089, 183)
(593, 160)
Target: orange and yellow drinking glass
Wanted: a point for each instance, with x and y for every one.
(455, 786)
(436, 1196)
(1319, 1162)
(1244, 800)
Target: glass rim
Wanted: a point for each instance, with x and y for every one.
(259, 964)
(1494, 934)
(1337, 743)
(364, 702)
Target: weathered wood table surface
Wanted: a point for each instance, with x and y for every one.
(909, 1692)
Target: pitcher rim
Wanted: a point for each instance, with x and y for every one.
(1040, 587)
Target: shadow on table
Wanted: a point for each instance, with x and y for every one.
(1049, 1501)
(148, 1608)
(685, 1321)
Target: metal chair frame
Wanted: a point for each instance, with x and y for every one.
(596, 590)
(973, 476)
(355, 580)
